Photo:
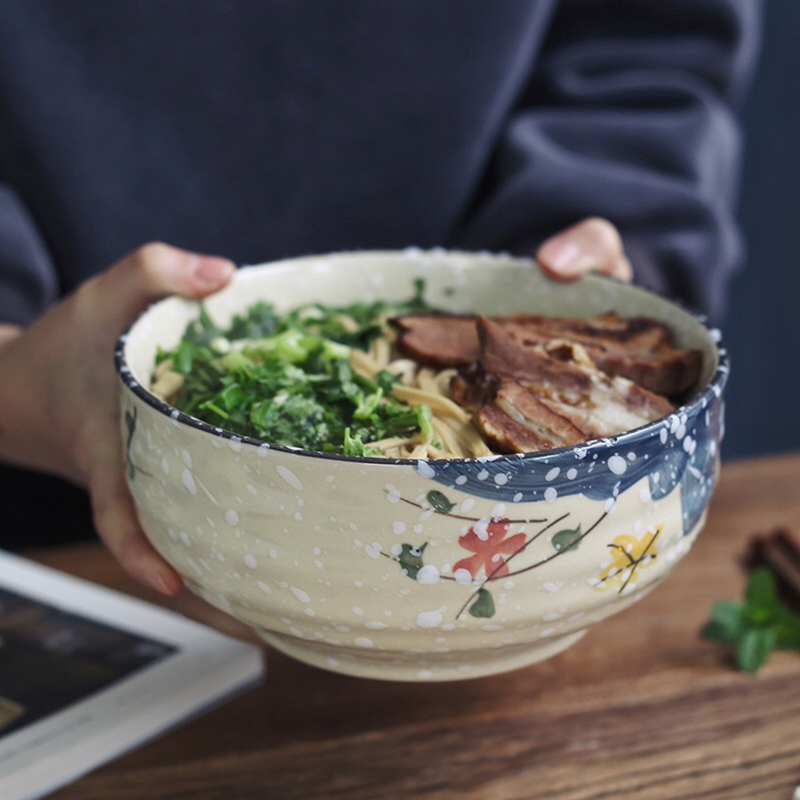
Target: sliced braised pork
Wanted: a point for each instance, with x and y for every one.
(438, 340)
(552, 395)
(638, 348)
(516, 421)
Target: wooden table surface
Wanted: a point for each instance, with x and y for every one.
(640, 708)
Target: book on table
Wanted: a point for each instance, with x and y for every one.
(87, 673)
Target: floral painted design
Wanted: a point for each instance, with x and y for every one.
(489, 544)
(629, 555)
(491, 549)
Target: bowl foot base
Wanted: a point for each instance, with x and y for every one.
(394, 666)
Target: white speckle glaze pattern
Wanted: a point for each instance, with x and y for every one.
(419, 570)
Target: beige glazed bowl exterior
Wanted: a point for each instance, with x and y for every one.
(415, 570)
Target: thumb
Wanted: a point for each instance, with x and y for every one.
(156, 270)
(593, 245)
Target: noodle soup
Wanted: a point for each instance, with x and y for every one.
(402, 380)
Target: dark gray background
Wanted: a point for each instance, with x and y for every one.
(762, 326)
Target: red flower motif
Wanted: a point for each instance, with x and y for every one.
(489, 545)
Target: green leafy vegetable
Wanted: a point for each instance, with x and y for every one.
(756, 627)
(286, 378)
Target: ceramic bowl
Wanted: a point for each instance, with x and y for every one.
(420, 570)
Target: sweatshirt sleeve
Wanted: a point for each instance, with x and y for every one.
(629, 115)
(28, 278)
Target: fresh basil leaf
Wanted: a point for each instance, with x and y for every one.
(787, 629)
(754, 648)
(726, 623)
(762, 590)
(727, 614)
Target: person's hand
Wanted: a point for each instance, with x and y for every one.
(59, 402)
(593, 245)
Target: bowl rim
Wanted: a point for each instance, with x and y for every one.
(710, 392)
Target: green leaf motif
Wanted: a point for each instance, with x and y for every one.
(754, 648)
(439, 502)
(483, 605)
(568, 539)
(410, 559)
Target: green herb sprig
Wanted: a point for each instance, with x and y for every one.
(286, 378)
(756, 627)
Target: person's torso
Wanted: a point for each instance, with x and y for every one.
(254, 129)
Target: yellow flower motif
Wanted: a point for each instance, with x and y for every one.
(629, 555)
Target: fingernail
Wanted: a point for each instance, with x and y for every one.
(212, 271)
(560, 254)
(158, 583)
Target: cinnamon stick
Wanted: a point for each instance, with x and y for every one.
(778, 549)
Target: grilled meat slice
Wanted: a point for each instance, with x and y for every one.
(439, 340)
(556, 393)
(671, 373)
(622, 336)
(516, 421)
(552, 377)
(471, 387)
(638, 348)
